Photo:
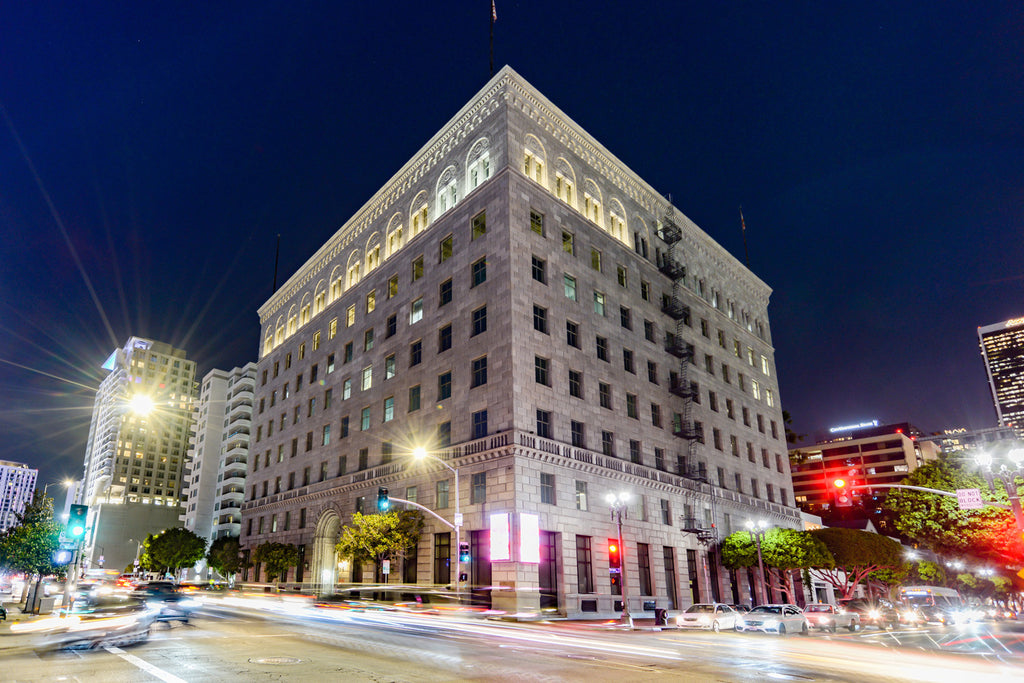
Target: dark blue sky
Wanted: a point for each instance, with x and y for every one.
(149, 154)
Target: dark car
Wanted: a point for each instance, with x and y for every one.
(3, 613)
(877, 612)
(169, 602)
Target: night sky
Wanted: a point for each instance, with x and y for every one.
(151, 152)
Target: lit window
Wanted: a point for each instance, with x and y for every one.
(416, 312)
(367, 377)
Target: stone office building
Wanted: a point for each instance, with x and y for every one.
(522, 305)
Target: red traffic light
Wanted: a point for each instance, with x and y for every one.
(839, 483)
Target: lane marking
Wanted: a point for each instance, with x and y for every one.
(144, 665)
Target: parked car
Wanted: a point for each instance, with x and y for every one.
(826, 617)
(170, 603)
(778, 618)
(712, 616)
(3, 613)
(878, 612)
(741, 608)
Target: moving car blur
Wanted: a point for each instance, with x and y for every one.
(169, 602)
(828, 617)
(878, 612)
(93, 622)
(779, 618)
(713, 616)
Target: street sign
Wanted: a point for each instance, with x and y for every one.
(385, 566)
(458, 519)
(969, 499)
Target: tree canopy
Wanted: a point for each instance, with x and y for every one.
(938, 523)
(857, 555)
(225, 556)
(374, 538)
(30, 544)
(782, 550)
(276, 558)
(172, 549)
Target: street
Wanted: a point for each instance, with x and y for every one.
(232, 644)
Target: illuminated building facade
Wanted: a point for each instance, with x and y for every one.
(17, 486)
(218, 455)
(521, 304)
(135, 454)
(1002, 348)
(868, 454)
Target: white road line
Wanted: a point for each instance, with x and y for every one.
(145, 666)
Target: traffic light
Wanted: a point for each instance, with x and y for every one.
(844, 498)
(383, 502)
(464, 552)
(77, 522)
(614, 558)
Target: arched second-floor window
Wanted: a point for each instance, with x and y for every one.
(478, 164)
(592, 201)
(533, 159)
(565, 182)
(320, 298)
(418, 214)
(447, 190)
(337, 283)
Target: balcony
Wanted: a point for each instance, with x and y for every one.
(672, 268)
(675, 308)
(678, 348)
(670, 232)
(683, 389)
(690, 432)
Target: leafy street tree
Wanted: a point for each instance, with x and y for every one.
(937, 522)
(926, 572)
(276, 558)
(172, 549)
(29, 546)
(375, 538)
(225, 556)
(857, 555)
(782, 550)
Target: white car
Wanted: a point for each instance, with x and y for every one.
(829, 617)
(781, 619)
(713, 616)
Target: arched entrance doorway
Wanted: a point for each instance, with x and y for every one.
(325, 560)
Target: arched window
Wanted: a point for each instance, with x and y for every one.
(592, 201)
(394, 233)
(418, 214)
(293, 319)
(533, 159)
(478, 164)
(617, 220)
(565, 181)
(447, 191)
(279, 331)
(372, 257)
(337, 284)
(320, 299)
(268, 344)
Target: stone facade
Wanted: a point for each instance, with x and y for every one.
(547, 309)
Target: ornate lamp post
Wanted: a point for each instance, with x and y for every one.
(1005, 470)
(420, 453)
(757, 530)
(619, 507)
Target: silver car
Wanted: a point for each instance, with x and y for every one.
(713, 616)
(780, 618)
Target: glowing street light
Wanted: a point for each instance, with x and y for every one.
(619, 504)
(757, 531)
(1006, 468)
(419, 453)
(140, 404)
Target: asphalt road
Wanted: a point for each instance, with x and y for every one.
(230, 644)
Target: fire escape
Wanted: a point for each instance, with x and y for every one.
(684, 426)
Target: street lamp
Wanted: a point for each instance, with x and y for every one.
(757, 531)
(1007, 473)
(619, 506)
(420, 453)
(66, 484)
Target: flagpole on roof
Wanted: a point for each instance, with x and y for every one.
(494, 18)
(743, 225)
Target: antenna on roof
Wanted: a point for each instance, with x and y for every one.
(494, 18)
(277, 257)
(743, 225)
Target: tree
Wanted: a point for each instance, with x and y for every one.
(29, 546)
(172, 549)
(791, 436)
(938, 523)
(856, 555)
(928, 573)
(782, 551)
(375, 538)
(276, 558)
(225, 556)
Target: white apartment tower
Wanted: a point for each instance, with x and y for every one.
(17, 486)
(1002, 349)
(218, 455)
(135, 454)
(521, 304)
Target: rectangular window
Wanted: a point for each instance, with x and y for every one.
(632, 407)
(371, 301)
(608, 443)
(367, 378)
(326, 440)
(444, 293)
(578, 438)
(417, 269)
(541, 371)
(364, 458)
(444, 434)
(544, 424)
(569, 284)
(444, 386)
(652, 372)
(625, 318)
(389, 366)
(599, 303)
(364, 419)
(479, 372)
(568, 243)
(316, 340)
(393, 287)
(350, 315)
(414, 398)
(572, 334)
(645, 290)
(595, 259)
(478, 490)
(666, 512)
(479, 321)
(416, 352)
(346, 389)
(445, 249)
(621, 277)
(659, 458)
(368, 340)
(634, 451)
(581, 495)
(602, 349)
(342, 464)
(332, 328)
(391, 327)
(649, 333)
(444, 338)
(627, 361)
(575, 383)
(547, 488)
(537, 223)
(540, 319)
(416, 311)
(344, 427)
(584, 565)
(389, 409)
(479, 225)
(656, 415)
(330, 363)
(540, 270)
(479, 420)
(478, 272)
(604, 393)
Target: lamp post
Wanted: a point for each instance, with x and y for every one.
(66, 484)
(757, 530)
(1007, 472)
(419, 453)
(619, 507)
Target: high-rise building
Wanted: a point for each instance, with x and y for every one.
(519, 303)
(17, 486)
(218, 455)
(1002, 348)
(135, 453)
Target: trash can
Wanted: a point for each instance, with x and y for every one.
(661, 617)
